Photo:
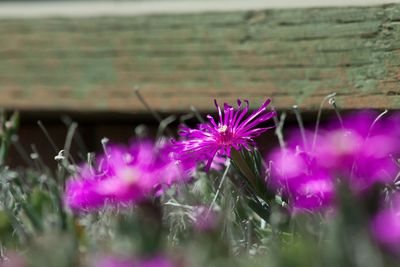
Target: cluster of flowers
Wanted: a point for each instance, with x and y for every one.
(360, 151)
(125, 175)
(131, 174)
(128, 175)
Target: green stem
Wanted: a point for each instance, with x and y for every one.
(243, 167)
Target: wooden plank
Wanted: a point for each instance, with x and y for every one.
(84, 8)
(295, 56)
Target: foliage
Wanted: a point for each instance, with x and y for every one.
(229, 215)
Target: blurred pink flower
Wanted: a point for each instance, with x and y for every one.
(123, 175)
(219, 163)
(296, 176)
(233, 130)
(13, 259)
(385, 226)
(361, 152)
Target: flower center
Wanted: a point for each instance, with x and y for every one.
(222, 129)
(129, 175)
(225, 135)
(122, 181)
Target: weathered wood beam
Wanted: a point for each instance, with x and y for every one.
(89, 8)
(295, 56)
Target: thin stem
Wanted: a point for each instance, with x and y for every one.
(249, 235)
(21, 151)
(68, 140)
(175, 204)
(367, 137)
(77, 137)
(319, 118)
(2, 254)
(332, 101)
(375, 121)
(151, 110)
(197, 114)
(46, 133)
(301, 125)
(278, 129)
(186, 117)
(35, 156)
(164, 125)
(104, 143)
(228, 165)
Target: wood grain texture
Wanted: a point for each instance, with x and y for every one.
(294, 56)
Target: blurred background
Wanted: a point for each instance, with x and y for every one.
(64, 61)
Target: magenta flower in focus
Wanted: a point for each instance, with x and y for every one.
(385, 227)
(123, 175)
(233, 130)
(299, 180)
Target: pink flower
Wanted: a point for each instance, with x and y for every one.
(361, 152)
(123, 175)
(233, 130)
(296, 176)
(385, 226)
(13, 259)
(219, 163)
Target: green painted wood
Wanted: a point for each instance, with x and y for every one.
(293, 56)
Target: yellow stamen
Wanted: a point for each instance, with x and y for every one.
(222, 129)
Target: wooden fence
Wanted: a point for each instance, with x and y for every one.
(295, 56)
